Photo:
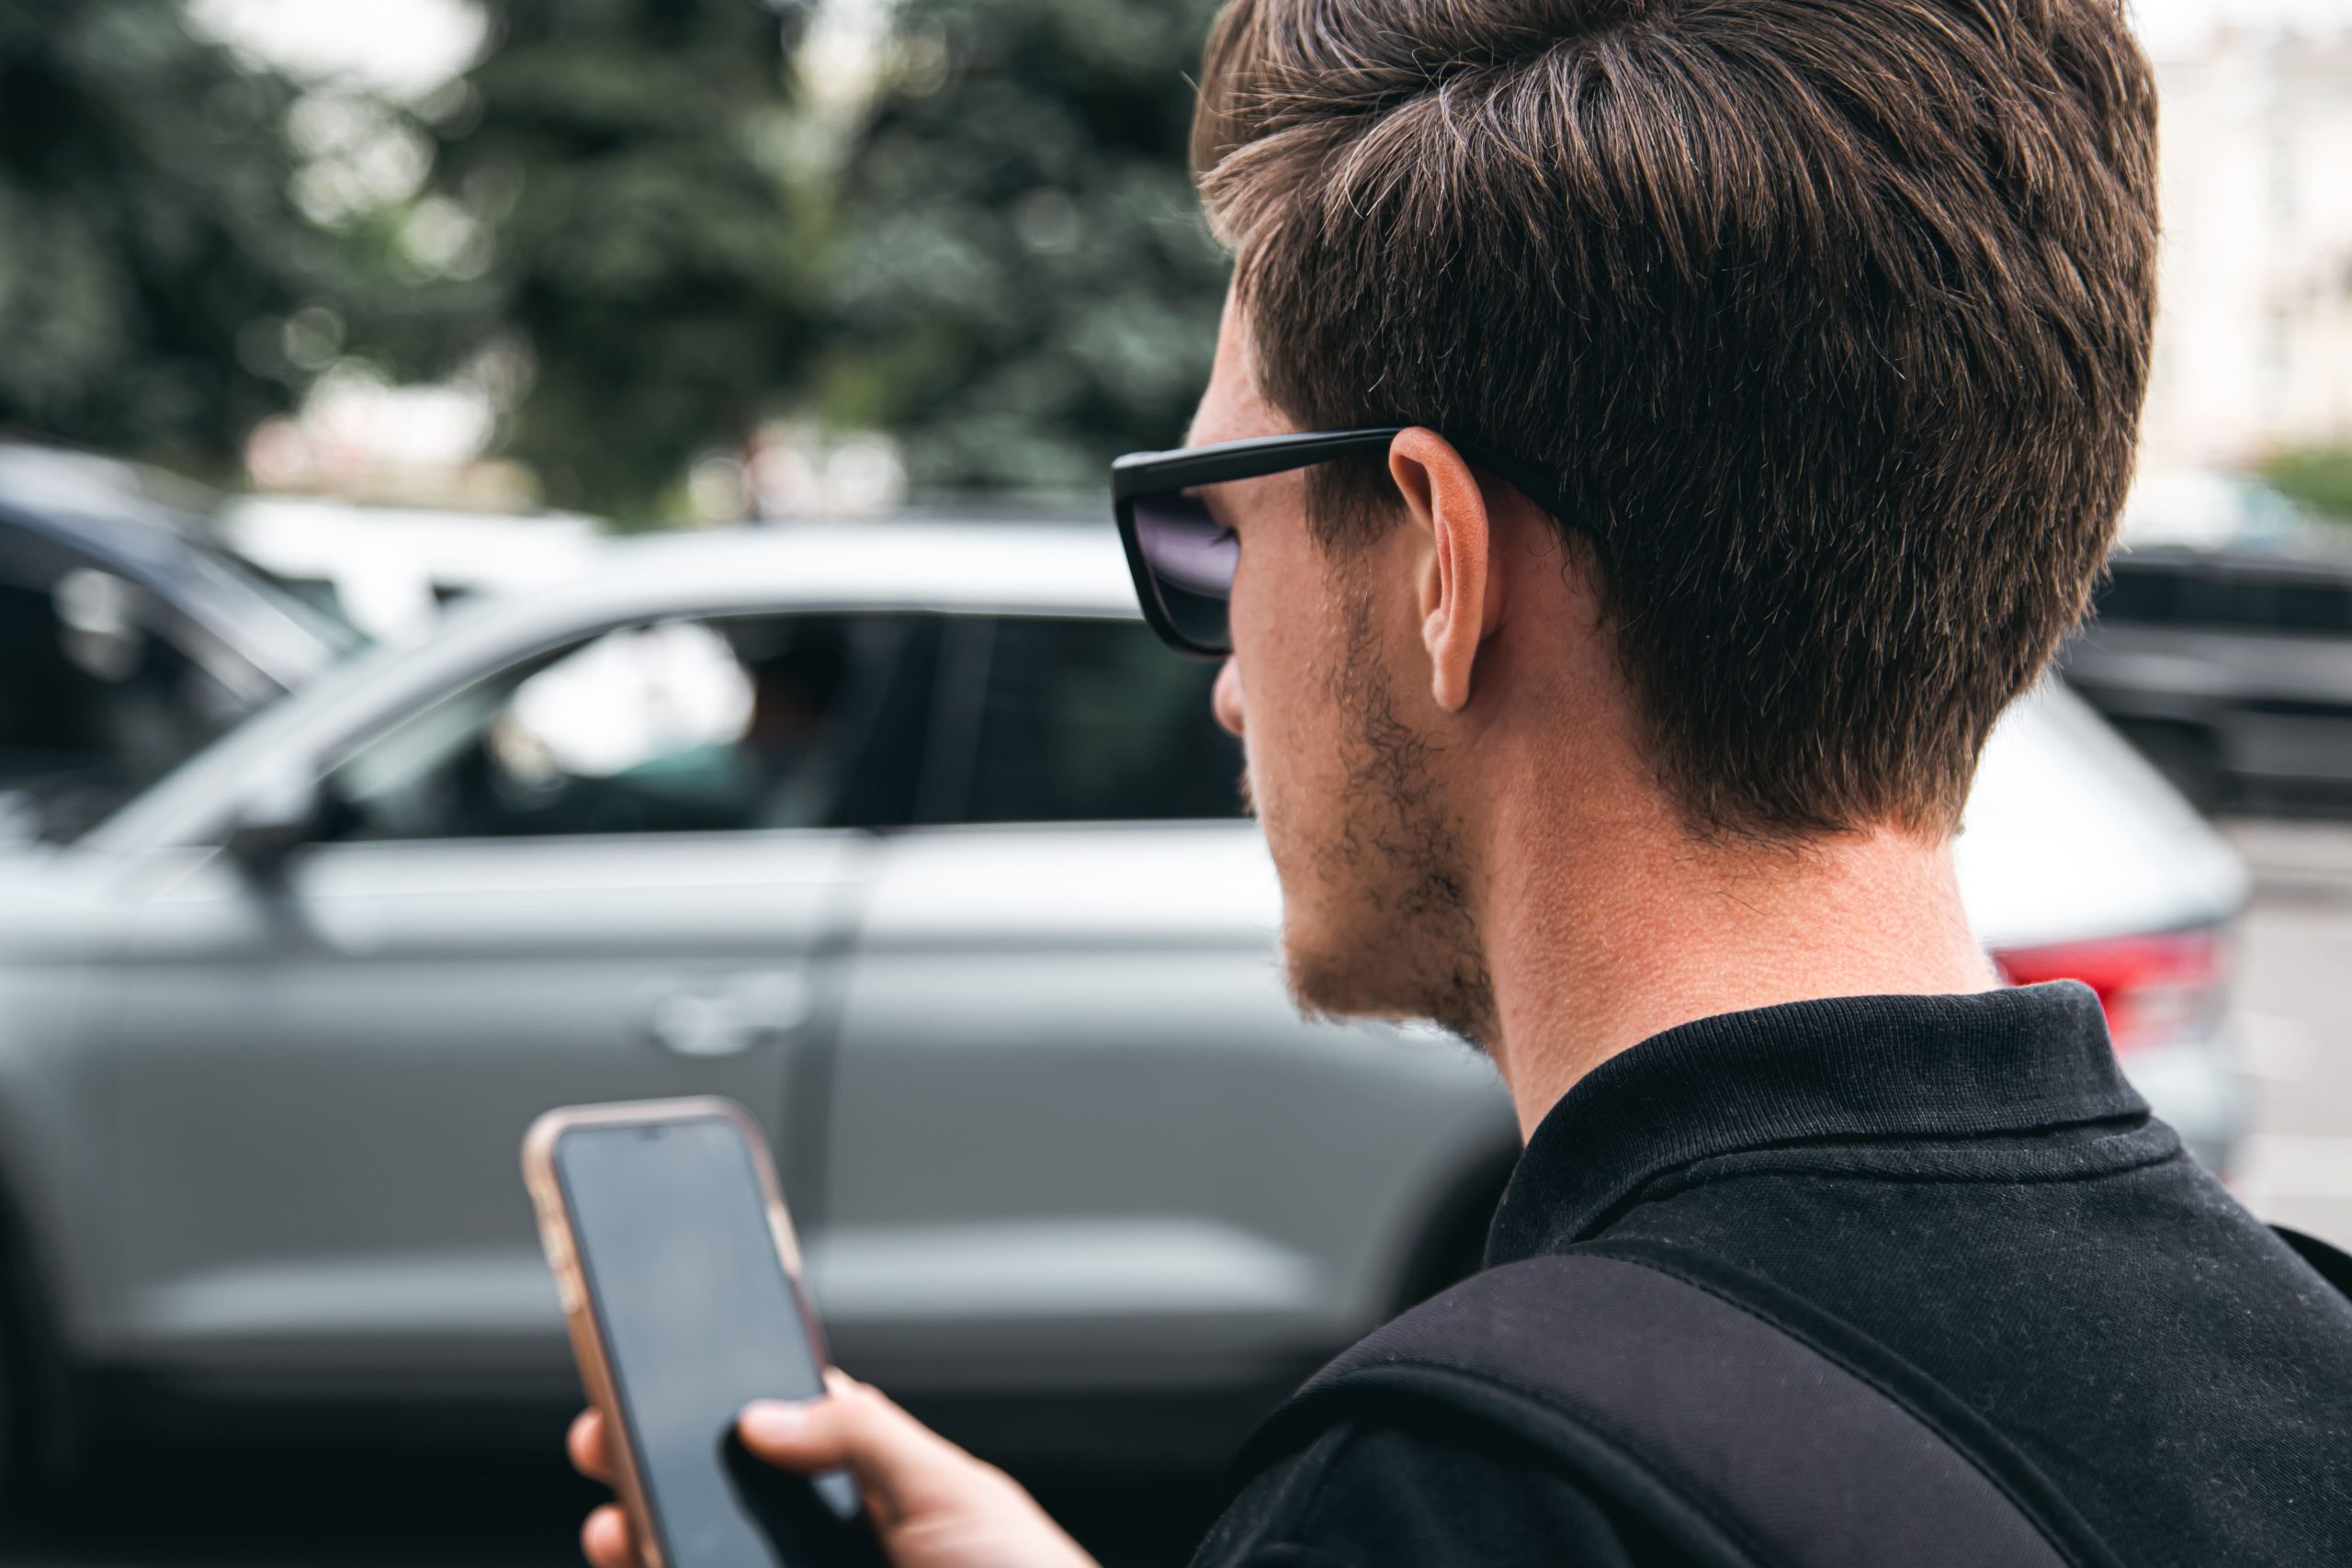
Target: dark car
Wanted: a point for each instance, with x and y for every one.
(2229, 668)
(126, 638)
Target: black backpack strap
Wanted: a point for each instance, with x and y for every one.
(2332, 1264)
(1749, 1429)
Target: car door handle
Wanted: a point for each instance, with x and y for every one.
(726, 1015)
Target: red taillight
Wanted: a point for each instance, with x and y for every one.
(2155, 989)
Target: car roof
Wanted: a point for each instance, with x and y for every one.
(934, 563)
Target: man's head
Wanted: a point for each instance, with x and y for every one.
(1831, 321)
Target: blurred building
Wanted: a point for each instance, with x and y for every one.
(2253, 343)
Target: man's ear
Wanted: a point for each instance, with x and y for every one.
(1460, 601)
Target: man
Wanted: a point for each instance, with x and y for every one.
(1768, 373)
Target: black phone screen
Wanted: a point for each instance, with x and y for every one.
(698, 1316)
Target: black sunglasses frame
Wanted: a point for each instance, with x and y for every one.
(1139, 475)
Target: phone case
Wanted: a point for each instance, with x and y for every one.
(572, 1284)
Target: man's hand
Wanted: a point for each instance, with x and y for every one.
(932, 1504)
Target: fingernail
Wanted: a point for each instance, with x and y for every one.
(771, 1421)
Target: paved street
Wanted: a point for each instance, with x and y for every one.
(315, 1504)
(2294, 995)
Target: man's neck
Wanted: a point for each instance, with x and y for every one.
(1600, 934)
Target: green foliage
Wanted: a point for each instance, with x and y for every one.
(2319, 477)
(1025, 286)
(630, 226)
(627, 164)
(146, 233)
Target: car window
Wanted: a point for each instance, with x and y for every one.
(2219, 598)
(1093, 720)
(2239, 602)
(2140, 595)
(99, 693)
(684, 726)
(2313, 606)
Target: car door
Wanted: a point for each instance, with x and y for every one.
(1081, 1141)
(617, 870)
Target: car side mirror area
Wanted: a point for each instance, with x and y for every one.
(278, 820)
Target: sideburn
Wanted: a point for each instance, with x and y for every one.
(1400, 848)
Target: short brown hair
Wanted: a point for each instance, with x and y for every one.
(1831, 317)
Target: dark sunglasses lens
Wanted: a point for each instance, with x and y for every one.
(1191, 558)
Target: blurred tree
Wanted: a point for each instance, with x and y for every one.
(1024, 285)
(628, 168)
(2319, 477)
(151, 253)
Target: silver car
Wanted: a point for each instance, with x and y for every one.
(911, 839)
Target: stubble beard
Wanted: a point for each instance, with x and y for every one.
(1395, 936)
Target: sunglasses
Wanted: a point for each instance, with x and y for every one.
(1182, 558)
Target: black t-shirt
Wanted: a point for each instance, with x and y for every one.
(1968, 1180)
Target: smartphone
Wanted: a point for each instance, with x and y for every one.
(680, 1279)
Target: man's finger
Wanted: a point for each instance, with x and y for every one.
(893, 1457)
(591, 1448)
(585, 1443)
(605, 1539)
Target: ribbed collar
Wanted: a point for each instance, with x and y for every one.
(1995, 1063)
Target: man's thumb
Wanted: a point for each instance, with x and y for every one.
(891, 1454)
(778, 1432)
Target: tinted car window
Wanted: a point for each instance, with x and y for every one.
(99, 693)
(2140, 596)
(2266, 602)
(1090, 720)
(2248, 603)
(2224, 599)
(2313, 607)
(779, 721)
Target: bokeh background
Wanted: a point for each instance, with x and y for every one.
(668, 262)
(661, 262)
(383, 306)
